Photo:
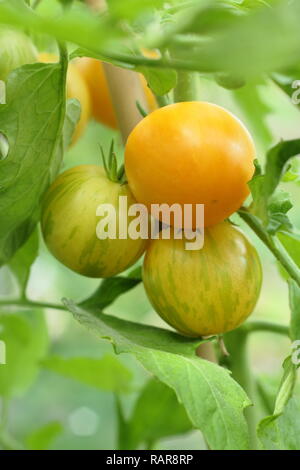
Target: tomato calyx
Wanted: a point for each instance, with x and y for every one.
(113, 172)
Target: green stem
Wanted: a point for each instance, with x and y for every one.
(30, 303)
(162, 101)
(236, 343)
(155, 63)
(271, 242)
(187, 87)
(253, 326)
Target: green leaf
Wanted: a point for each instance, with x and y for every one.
(287, 385)
(26, 340)
(110, 289)
(107, 373)
(278, 206)
(269, 204)
(42, 438)
(251, 100)
(294, 297)
(131, 9)
(157, 414)
(21, 262)
(282, 433)
(161, 81)
(277, 159)
(32, 121)
(214, 402)
(291, 242)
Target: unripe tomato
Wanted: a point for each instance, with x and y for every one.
(208, 291)
(69, 223)
(191, 153)
(102, 106)
(76, 88)
(16, 49)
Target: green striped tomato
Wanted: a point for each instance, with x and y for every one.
(69, 223)
(208, 291)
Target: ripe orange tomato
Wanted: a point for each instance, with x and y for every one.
(191, 153)
(76, 88)
(102, 106)
(208, 291)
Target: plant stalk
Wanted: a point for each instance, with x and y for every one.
(30, 303)
(271, 242)
(236, 343)
(187, 87)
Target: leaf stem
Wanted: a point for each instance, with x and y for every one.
(186, 88)
(30, 303)
(253, 326)
(274, 246)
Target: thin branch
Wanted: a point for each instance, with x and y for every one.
(274, 246)
(25, 303)
(254, 326)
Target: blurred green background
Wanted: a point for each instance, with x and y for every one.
(88, 415)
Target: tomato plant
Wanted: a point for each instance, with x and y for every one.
(204, 292)
(69, 223)
(207, 348)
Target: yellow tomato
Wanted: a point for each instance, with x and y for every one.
(208, 291)
(191, 153)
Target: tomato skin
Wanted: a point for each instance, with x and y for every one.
(208, 291)
(102, 106)
(69, 223)
(76, 88)
(191, 153)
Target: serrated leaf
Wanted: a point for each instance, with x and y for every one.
(156, 414)
(214, 402)
(107, 373)
(282, 433)
(26, 340)
(270, 204)
(32, 120)
(42, 438)
(278, 206)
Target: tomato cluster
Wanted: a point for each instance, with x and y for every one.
(187, 153)
(197, 153)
